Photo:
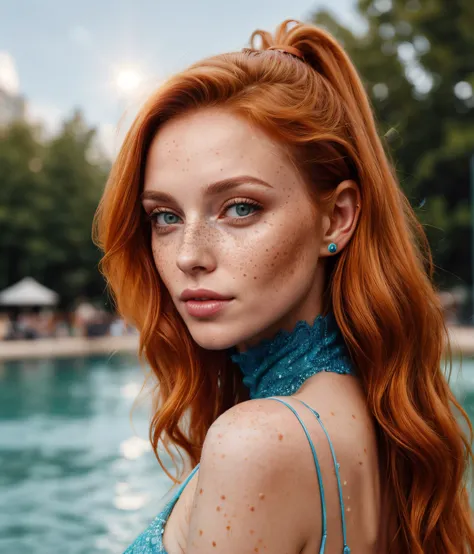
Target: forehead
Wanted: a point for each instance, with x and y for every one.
(209, 145)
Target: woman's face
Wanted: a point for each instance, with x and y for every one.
(229, 213)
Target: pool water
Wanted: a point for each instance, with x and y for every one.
(75, 476)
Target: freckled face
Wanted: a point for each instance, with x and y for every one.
(258, 242)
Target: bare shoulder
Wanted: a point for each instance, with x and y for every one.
(266, 430)
(253, 480)
(258, 474)
(256, 431)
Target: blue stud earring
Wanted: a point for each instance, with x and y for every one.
(332, 247)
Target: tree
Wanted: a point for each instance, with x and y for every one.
(21, 199)
(49, 192)
(417, 62)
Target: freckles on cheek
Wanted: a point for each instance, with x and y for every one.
(253, 262)
(163, 260)
(158, 257)
(274, 261)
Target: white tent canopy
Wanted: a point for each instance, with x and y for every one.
(28, 292)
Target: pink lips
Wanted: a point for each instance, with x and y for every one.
(203, 308)
(193, 294)
(204, 302)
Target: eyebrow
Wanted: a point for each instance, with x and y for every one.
(219, 187)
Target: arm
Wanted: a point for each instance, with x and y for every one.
(251, 495)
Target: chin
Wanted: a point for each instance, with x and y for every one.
(212, 337)
(212, 343)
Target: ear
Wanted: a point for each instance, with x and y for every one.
(340, 220)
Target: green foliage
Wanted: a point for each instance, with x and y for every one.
(48, 195)
(410, 57)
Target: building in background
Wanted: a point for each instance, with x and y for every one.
(12, 107)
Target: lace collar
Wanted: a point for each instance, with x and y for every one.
(280, 365)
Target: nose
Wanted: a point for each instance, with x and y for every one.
(196, 251)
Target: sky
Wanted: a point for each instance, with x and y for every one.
(61, 54)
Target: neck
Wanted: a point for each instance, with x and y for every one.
(280, 365)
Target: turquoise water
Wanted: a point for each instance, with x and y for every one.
(74, 476)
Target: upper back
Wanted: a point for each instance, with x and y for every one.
(366, 503)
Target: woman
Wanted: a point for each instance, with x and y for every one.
(297, 343)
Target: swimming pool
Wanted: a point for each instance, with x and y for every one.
(74, 477)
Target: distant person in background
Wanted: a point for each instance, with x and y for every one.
(83, 315)
(26, 325)
(118, 328)
(5, 326)
(254, 232)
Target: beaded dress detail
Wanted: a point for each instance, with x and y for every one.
(273, 367)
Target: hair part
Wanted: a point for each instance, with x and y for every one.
(380, 286)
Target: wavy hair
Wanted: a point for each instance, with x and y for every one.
(380, 286)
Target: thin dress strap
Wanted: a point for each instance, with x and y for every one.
(346, 549)
(179, 490)
(189, 477)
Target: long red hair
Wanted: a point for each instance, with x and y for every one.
(380, 286)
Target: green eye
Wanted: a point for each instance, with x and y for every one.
(242, 208)
(168, 218)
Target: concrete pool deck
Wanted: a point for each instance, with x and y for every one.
(66, 347)
(462, 341)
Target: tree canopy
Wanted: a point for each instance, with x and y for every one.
(416, 59)
(49, 192)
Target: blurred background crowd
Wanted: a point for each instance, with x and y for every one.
(71, 79)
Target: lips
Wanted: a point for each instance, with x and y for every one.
(206, 308)
(202, 295)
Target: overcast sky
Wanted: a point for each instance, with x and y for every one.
(61, 54)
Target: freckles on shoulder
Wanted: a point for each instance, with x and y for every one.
(254, 436)
(247, 451)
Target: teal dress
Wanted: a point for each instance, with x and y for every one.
(278, 367)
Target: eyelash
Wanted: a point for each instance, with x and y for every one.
(235, 202)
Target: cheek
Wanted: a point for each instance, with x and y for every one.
(164, 259)
(282, 253)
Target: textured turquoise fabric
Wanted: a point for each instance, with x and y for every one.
(274, 367)
(151, 540)
(279, 366)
